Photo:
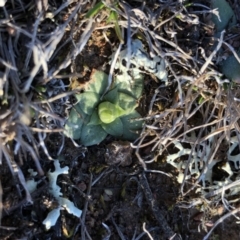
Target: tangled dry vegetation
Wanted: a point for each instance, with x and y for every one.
(191, 120)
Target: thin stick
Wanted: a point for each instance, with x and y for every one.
(146, 231)
(209, 59)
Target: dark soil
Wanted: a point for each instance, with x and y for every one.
(112, 197)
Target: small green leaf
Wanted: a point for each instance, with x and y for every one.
(188, 5)
(201, 100)
(111, 17)
(117, 27)
(95, 10)
(108, 112)
(74, 124)
(114, 128)
(136, 87)
(131, 126)
(111, 96)
(94, 120)
(126, 102)
(195, 88)
(98, 82)
(91, 135)
(41, 88)
(88, 101)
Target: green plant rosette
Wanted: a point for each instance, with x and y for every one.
(94, 116)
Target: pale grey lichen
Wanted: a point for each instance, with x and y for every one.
(64, 203)
(200, 160)
(141, 62)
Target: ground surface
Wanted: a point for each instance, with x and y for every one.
(118, 202)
